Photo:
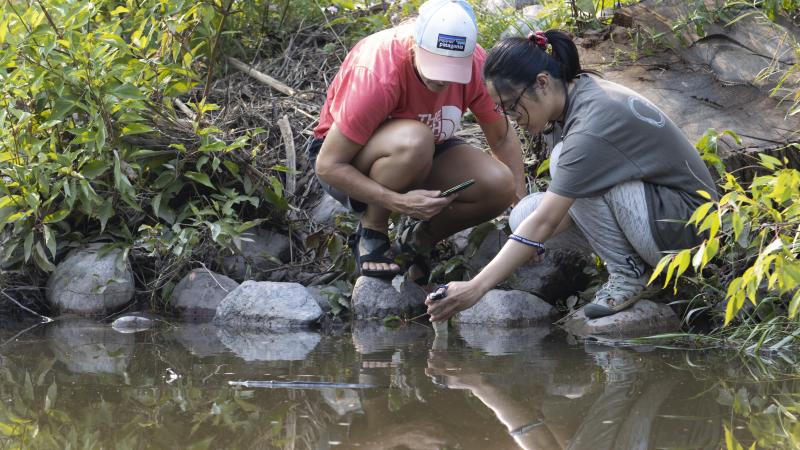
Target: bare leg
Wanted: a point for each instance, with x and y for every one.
(399, 156)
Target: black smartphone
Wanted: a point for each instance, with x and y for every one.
(457, 188)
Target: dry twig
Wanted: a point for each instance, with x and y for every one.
(262, 77)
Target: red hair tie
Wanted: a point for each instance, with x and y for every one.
(539, 38)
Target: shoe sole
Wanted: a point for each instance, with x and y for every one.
(595, 311)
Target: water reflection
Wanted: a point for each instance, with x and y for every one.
(276, 346)
(77, 383)
(85, 346)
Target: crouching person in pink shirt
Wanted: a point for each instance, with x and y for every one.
(386, 138)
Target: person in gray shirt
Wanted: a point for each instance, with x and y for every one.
(622, 172)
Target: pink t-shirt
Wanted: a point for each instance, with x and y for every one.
(377, 82)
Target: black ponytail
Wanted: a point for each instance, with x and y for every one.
(516, 61)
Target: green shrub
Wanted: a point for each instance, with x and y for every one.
(91, 145)
(753, 240)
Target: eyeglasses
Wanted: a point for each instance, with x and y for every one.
(512, 110)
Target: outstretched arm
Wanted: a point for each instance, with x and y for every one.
(539, 226)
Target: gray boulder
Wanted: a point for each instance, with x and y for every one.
(264, 249)
(85, 346)
(268, 305)
(269, 346)
(199, 293)
(90, 284)
(327, 210)
(644, 318)
(374, 298)
(508, 308)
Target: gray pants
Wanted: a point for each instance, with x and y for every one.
(616, 226)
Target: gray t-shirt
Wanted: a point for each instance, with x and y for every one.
(612, 135)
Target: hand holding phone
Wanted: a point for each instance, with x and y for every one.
(457, 188)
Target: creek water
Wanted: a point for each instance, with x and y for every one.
(78, 383)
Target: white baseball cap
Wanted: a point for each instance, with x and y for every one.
(445, 34)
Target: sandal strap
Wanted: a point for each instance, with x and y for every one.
(372, 246)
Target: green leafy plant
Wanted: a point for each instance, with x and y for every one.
(93, 148)
(752, 240)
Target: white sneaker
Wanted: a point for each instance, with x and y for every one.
(618, 293)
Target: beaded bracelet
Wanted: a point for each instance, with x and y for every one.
(536, 244)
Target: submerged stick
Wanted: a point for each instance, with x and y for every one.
(45, 319)
(261, 77)
(272, 384)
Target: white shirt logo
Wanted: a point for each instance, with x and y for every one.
(444, 123)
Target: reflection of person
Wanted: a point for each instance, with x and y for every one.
(622, 416)
(527, 428)
(622, 172)
(385, 140)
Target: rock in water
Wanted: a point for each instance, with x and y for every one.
(90, 284)
(508, 308)
(268, 305)
(374, 298)
(132, 324)
(644, 318)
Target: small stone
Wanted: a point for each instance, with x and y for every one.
(132, 324)
(374, 298)
(199, 293)
(268, 305)
(508, 308)
(89, 284)
(644, 318)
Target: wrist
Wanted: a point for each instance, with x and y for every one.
(482, 284)
(390, 200)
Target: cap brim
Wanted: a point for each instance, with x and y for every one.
(444, 68)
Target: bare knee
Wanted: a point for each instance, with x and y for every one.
(401, 144)
(414, 147)
(499, 182)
